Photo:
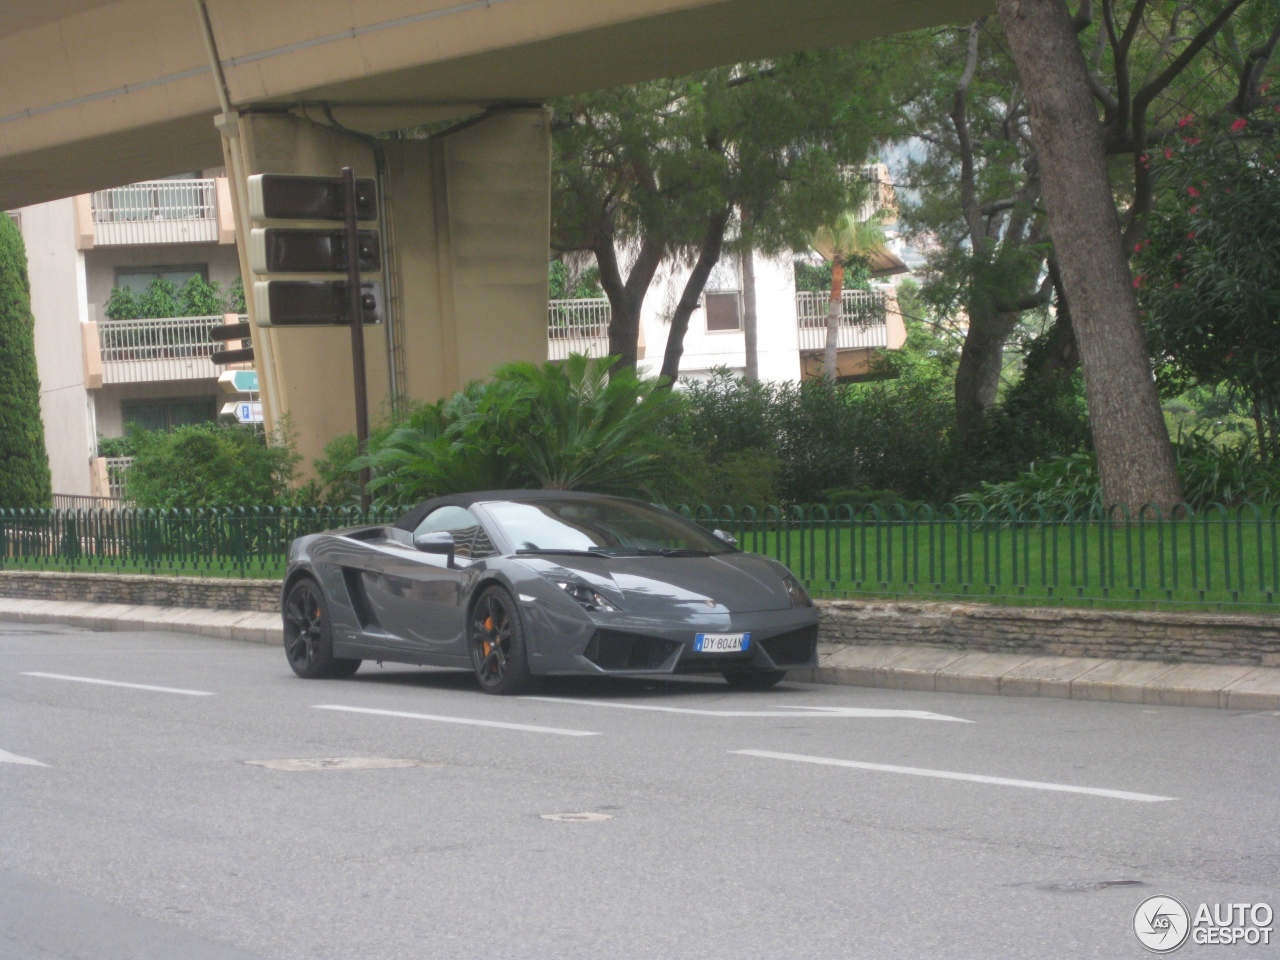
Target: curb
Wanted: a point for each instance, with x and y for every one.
(1234, 687)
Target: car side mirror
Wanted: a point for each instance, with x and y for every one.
(728, 538)
(436, 542)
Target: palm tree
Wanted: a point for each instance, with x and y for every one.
(847, 237)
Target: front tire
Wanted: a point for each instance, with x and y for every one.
(754, 680)
(308, 634)
(496, 639)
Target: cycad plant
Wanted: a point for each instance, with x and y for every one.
(556, 426)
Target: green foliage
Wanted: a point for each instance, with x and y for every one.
(337, 479)
(1209, 268)
(1229, 474)
(24, 462)
(747, 477)
(116, 446)
(565, 426)
(816, 277)
(892, 435)
(209, 465)
(197, 297)
(567, 285)
(235, 296)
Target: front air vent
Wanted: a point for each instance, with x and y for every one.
(617, 650)
(793, 647)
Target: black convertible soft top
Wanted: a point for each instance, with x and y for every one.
(415, 516)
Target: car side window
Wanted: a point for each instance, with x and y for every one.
(471, 541)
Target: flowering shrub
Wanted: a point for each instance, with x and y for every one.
(1208, 270)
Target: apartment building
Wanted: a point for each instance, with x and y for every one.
(791, 324)
(98, 374)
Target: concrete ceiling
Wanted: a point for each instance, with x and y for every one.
(95, 93)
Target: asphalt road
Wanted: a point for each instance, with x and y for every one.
(806, 822)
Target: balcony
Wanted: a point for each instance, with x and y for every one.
(162, 211)
(148, 351)
(863, 320)
(577, 326)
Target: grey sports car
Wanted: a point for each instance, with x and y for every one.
(515, 584)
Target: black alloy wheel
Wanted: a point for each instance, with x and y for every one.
(496, 639)
(308, 640)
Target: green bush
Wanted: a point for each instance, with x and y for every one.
(209, 465)
(558, 426)
(197, 297)
(24, 461)
(894, 435)
(1228, 473)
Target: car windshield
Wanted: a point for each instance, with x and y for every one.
(611, 527)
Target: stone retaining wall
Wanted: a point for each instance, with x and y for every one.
(1167, 636)
(207, 592)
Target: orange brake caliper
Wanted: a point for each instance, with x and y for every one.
(488, 625)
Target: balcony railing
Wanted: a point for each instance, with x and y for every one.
(862, 320)
(117, 467)
(577, 326)
(157, 211)
(140, 351)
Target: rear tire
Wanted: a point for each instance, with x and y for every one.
(308, 634)
(495, 637)
(754, 680)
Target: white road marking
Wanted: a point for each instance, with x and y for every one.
(949, 775)
(7, 757)
(117, 683)
(464, 720)
(852, 713)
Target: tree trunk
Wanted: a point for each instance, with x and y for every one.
(1135, 458)
(835, 308)
(749, 326)
(625, 297)
(708, 254)
(978, 373)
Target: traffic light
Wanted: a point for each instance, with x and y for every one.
(293, 250)
(284, 256)
(231, 329)
(282, 196)
(312, 303)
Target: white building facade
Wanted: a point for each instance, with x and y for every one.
(98, 374)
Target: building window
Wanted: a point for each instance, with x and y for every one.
(168, 414)
(724, 311)
(139, 279)
(724, 295)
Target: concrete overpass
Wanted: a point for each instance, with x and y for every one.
(97, 93)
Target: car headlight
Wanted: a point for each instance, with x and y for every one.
(590, 599)
(799, 596)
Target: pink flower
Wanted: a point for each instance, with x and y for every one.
(1185, 120)
(1193, 192)
(1239, 124)
(1177, 286)
(1195, 209)
(1191, 235)
(1168, 153)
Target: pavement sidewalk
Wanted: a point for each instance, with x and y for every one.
(1236, 687)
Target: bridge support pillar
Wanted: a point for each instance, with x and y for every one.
(466, 232)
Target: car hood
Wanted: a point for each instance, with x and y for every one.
(725, 583)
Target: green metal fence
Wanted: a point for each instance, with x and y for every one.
(1216, 559)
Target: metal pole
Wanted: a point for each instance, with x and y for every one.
(357, 327)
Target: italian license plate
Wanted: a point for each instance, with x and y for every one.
(722, 642)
